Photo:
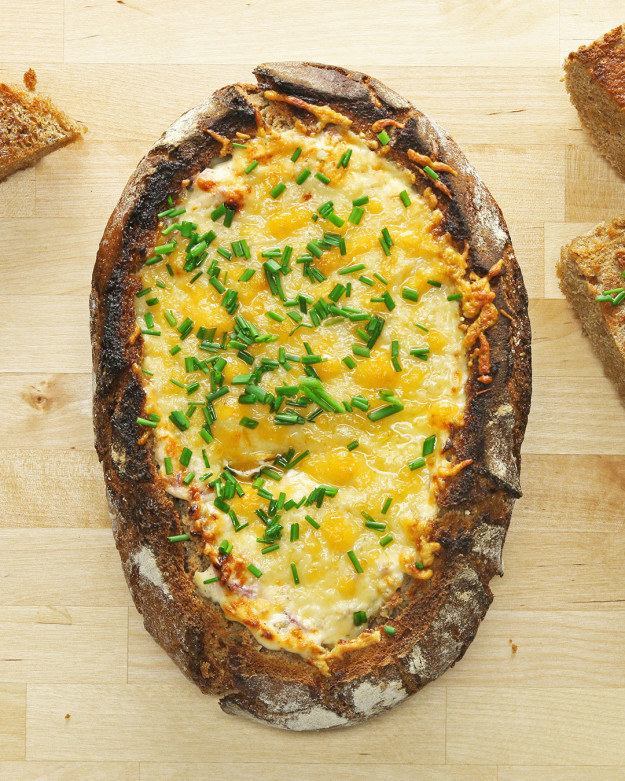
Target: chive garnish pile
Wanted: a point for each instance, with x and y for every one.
(250, 361)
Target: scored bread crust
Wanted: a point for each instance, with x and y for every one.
(435, 620)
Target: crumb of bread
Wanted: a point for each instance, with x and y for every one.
(30, 80)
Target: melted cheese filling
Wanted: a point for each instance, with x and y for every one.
(326, 606)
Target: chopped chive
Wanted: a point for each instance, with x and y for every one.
(165, 249)
(322, 177)
(251, 167)
(206, 435)
(271, 548)
(364, 199)
(303, 176)
(225, 548)
(454, 297)
(151, 301)
(247, 275)
(277, 191)
(432, 174)
(148, 423)
(420, 352)
(312, 522)
(147, 372)
(356, 215)
(180, 420)
(360, 618)
(352, 269)
(380, 527)
(296, 154)
(150, 332)
(380, 278)
(144, 292)
(349, 362)
(384, 138)
(409, 294)
(353, 445)
(218, 212)
(179, 538)
(389, 630)
(294, 532)
(405, 198)
(361, 350)
(254, 570)
(185, 456)
(384, 412)
(354, 560)
(168, 466)
(210, 580)
(619, 298)
(188, 478)
(366, 280)
(429, 445)
(418, 463)
(434, 283)
(248, 422)
(169, 316)
(238, 145)
(275, 316)
(385, 247)
(295, 574)
(386, 540)
(314, 249)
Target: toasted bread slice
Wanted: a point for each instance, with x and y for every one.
(592, 266)
(30, 127)
(595, 80)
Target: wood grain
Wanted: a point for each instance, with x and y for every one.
(540, 693)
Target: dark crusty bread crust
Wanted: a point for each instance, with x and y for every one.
(591, 264)
(595, 80)
(436, 619)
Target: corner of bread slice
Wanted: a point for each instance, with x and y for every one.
(31, 126)
(591, 265)
(594, 81)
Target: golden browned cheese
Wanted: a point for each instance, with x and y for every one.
(317, 578)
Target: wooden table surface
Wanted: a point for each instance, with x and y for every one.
(84, 691)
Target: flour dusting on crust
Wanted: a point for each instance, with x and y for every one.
(144, 560)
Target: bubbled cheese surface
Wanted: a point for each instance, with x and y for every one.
(313, 616)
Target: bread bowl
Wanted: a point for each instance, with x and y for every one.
(195, 579)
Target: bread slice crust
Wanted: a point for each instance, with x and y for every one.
(595, 81)
(436, 619)
(30, 127)
(589, 265)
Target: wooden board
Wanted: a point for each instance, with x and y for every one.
(84, 691)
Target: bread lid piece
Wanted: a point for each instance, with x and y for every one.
(30, 127)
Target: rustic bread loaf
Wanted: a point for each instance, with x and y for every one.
(30, 127)
(435, 619)
(592, 266)
(595, 80)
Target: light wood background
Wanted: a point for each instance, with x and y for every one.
(84, 691)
